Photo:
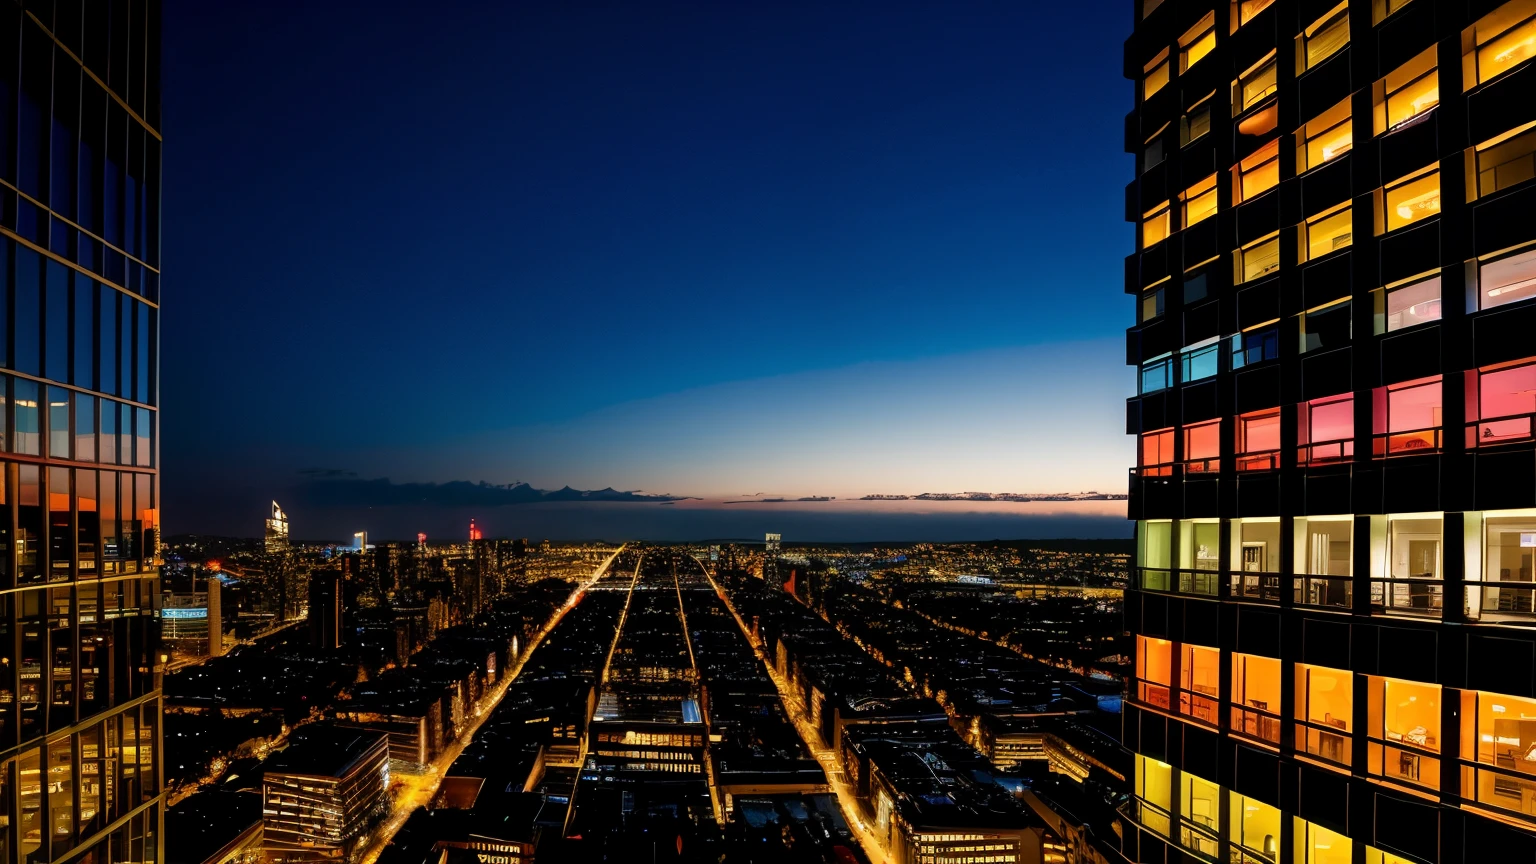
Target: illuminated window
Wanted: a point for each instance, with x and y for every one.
(1408, 304)
(1202, 447)
(1154, 794)
(1505, 401)
(1153, 541)
(1509, 562)
(1325, 700)
(1199, 814)
(1407, 93)
(1326, 232)
(1154, 670)
(1506, 277)
(1153, 154)
(1197, 41)
(1326, 430)
(1498, 732)
(1254, 827)
(1407, 417)
(1196, 122)
(1326, 327)
(1154, 225)
(1257, 260)
(1256, 545)
(1315, 844)
(1258, 441)
(1505, 161)
(1254, 85)
(1244, 11)
(1257, 173)
(1406, 201)
(1157, 374)
(1157, 452)
(1199, 201)
(1199, 545)
(1323, 561)
(1327, 136)
(1156, 75)
(1199, 361)
(1498, 42)
(1199, 683)
(1255, 346)
(1414, 554)
(1403, 723)
(1325, 37)
(1380, 9)
(1255, 697)
(1152, 301)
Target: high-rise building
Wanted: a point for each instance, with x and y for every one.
(277, 530)
(1335, 496)
(80, 705)
(325, 606)
(322, 794)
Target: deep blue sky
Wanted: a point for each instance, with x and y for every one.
(702, 248)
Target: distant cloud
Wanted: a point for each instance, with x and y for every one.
(338, 489)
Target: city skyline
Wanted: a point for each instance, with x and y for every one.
(836, 251)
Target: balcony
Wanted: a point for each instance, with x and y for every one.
(1410, 596)
(1414, 442)
(1493, 431)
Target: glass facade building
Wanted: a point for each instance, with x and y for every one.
(1334, 598)
(80, 708)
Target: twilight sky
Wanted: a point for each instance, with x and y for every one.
(704, 249)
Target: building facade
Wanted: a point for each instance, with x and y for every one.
(80, 706)
(1335, 496)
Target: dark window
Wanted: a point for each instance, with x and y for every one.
(59, 431)
(1255, 347)
(85, 332)
(56, 309)
(85, 427)
(29, 286)
(1326, 328)
(143, 369)
(1194, 288)
(27, 435)
(108, 340)
(108, 447)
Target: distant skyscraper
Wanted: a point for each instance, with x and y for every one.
(360, 541)
(277, 530)
(325, 598)
(772, 542)
(771, 545)
(80, 702)
(1334, 285)
(474, 532)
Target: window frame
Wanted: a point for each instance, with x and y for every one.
(1251, 459)
(1337, 450)
(1474, 43)
(1381, 10)
(1163, 211)
(1327, 122)
(1499, 429)
(1382, 300)
(1315, 221)
(1201, 464)
(1331, 306)
(1475, 278)
(1240, 259)
(1240, 16)
(1186, 120)
(1524, 134)
(1386, 208)
(1388, 442)
(1200, 194)
(1309, 730)
(1203, 33)
(1246, 718)
(1241, 102)
(1326, 25)
(1162, 441)
(1258, 164)
(1268, 335)
(1157, 68)
(1384, 92)
(1384, 751)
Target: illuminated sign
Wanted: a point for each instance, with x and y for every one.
(183, 613)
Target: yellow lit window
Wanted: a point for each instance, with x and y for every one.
(1197, 41)
(1154, 791)
(1151, 304)
(1258, 259)
(1403, 720)
(1411, 199)
(1507, 160)
(1254, 826)
(1498, 42)
(1325, 700)
(1325, 37)
(1156, 75)
(1244, 11)
(1376, 856)
(1200, 813)
(1154, 225)
(1407, 93)
(1380, 9)
(1326, 232)
(1154, 666)
(1328, 135)
(1199, 201)
(1257, 173)
(1499, 731)
(1254, 85)
(1315, 844)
